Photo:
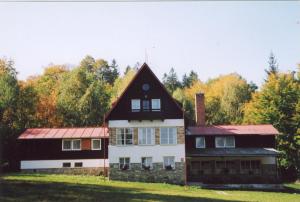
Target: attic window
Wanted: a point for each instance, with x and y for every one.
(146, 87)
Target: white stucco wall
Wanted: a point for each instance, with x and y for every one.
(144, 123)
(40, 164)
(136, 152)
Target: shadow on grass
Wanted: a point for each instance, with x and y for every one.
(18, 190)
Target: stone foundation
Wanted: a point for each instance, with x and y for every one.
(71, 171)
(157, 174)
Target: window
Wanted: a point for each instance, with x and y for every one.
(66, 165)
(124, 163)
(76, 144)
(254, 164)
(146, 105)
(78, 164)
(96, 144)
(200, 142)
(135, 105)
(124, 136)
(146, 136)
(147, 163)
(68, 145)
(245, 164)
(168, 136)
(225, 142)
(155, 104)
(146, 87)
(169, 162)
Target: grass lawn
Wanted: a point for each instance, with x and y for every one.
(45, 187)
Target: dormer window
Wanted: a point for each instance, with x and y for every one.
(146, 105)
(225, 142)
(155, 104)
(200, 142)
(135, 105)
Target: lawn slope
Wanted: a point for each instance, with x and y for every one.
(45, 187)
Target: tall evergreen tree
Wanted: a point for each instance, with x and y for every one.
(171, 81)
(273, 65)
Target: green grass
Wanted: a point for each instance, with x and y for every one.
(45, 187)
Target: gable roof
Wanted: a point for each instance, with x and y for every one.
(233, 130)
(59, 133)
(141, 69)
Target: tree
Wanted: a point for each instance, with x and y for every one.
(17, 106)
(273, 66)
(121, 83)
(170, 81)
(187, 81)
(83, 98)
(277, 103)
(46, 86)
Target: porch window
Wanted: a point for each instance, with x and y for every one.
(168, 136)
(147, 163)
(200, 142)
(124, 163)
(169, 162)
(135, 105)
(124, 136)
(146, 136)
(155, 104)
(250, 164)
(225, 142)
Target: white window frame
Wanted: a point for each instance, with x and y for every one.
(135, 105)
(62, 146)
(200, 147)
(173, 167)
(168, 129)
(125, 136)
(123, 162)
(147, 157)
(93, 144)
(159, 105)
(72, 145)
(152, 136)
(225, 142)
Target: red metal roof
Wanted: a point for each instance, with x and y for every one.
(233, 130)
(59, 133)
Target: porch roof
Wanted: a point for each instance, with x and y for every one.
(214, 152)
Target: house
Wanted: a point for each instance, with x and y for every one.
(147, 133)
(64, 150)
(230, 153)
(149, 141)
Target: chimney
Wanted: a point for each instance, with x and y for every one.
(199, 109)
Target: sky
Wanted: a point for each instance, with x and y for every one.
(211, 38)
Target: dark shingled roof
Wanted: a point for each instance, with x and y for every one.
(234, 152)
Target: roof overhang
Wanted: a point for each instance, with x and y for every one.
(233, 152)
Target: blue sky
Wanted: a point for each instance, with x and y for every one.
(211, 38)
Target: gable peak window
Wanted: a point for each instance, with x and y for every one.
(135, 105)
(155, 104)
(146, 105)
(200, 142)
(145, 87)
(225, 142)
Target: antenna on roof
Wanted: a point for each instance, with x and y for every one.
(146, 56)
